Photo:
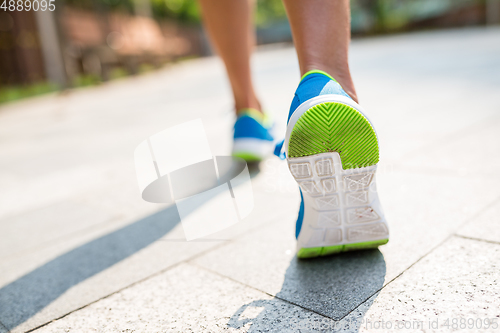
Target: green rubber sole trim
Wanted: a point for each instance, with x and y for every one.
(312, 252)
(335, 127)
(248, 157)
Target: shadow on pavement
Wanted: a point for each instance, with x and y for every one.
(330, 286)
(22, 299)
(253, 168)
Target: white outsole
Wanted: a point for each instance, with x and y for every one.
(255, 147)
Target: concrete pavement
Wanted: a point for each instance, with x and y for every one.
(81, 252)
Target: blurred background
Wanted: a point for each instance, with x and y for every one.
(86, 42)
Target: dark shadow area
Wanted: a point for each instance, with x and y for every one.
(25, 297)
(330, 286)
(253, 168)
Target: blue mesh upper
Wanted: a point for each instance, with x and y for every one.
(313, 85)
(248, 127)
(300, 218)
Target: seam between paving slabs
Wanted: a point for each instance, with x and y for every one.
(4, 327)
(130, 285)
(477, 239)
(494, 202)
(481, 212)
(195, 256)
(257, 289)
(397, 276)
(429, 252)
(190, 259)
(253, 230)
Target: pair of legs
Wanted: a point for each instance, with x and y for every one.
(330, 145)
(321, 33)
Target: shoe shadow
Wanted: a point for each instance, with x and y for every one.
(253, 168)
(332, 287)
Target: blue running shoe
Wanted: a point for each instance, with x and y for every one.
(332, 152)
(253, 140)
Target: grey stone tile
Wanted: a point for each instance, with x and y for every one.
(265, 260)
(470, 153)
(423, 209)
(458, 281)
(186, 299)
(485, 226)
(263, 213)
(44, 290)
(94, 270)
(335, 285)
(30, 231)
(426, 98)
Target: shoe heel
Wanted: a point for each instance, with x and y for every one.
(332, 154)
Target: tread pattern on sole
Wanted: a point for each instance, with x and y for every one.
(335, 127)
(327, 128)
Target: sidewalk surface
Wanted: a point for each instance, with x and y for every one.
(81, 252)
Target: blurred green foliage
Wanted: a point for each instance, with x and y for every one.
(269, 11)
(188, 10)
(379, 16)
(182, 10)
(12, 93)
(367, 17)
(85, 80)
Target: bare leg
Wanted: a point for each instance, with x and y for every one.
(321, 31)
(229, 25)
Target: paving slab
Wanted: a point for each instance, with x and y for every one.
(267, 262)
(110, 263)
(80, 146)
(186, 299)
(471, 153)
(428, 97)
(486, 226)
(455, 288)
(264, 259)
(93, 270)
(26, 232)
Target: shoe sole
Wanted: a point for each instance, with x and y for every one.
(332, 152)
(252, 150)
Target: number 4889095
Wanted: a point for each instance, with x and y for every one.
(27, 5)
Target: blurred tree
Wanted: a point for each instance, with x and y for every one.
(493, 12)
(380, 16)
(269, 11)
(183, 10)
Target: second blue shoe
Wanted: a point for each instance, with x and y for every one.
(253, 140)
